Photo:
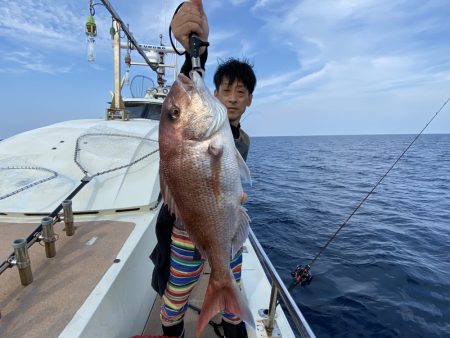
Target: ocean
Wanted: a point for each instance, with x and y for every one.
(387, 273)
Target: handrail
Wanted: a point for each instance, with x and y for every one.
(279, 287)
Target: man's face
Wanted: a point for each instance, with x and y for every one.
(235, 97)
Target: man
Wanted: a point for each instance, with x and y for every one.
(178, 264)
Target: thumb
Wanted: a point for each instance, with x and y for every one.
(198, 3)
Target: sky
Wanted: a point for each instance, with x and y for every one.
(324, 67)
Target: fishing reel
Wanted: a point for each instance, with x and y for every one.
(301, 275)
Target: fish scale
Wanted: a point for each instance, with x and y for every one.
(200, 176)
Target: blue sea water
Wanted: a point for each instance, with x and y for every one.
(387, 273)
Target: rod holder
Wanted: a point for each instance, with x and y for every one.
(68, 218)
(48, 236)
(22, 260)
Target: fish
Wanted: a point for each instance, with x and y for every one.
(201, 176)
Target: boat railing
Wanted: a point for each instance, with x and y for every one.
(278, 288)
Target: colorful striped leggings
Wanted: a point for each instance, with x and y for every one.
(185, 270)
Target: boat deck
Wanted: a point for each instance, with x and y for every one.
(62, 283)
(153, 327)
(256, 290)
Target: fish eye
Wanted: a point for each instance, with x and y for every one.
(174, 113)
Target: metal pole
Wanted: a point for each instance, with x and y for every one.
(69, 226)
(117, 94)
(48, 236)
(31, 239)
(156, 48)
(127, 32)
(272, 309)
(300, 321)
(22, 260)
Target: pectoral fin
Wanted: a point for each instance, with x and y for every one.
(215, 148)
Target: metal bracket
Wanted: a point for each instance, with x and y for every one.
(117, 114)
(262, 331)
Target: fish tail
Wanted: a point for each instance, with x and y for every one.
(220, 297)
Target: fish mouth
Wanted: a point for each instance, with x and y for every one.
(185, 80)
(185, 83)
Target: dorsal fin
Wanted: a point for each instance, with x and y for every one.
(214, 105)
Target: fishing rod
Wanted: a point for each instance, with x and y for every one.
(302, 274)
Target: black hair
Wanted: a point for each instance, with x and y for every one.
(234, 69)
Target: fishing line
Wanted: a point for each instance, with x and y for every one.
(301, 274)
(170, 31)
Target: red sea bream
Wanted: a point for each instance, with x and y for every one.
(200, 175)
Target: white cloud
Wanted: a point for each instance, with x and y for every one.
(321, 65)
(363, 67)
(27, 60)
(44, 38)
(148, 20)
(274, 80)
(367, 45)
(262, 4)
(57, 25)
(238, 2)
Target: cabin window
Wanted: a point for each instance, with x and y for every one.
(139, 110)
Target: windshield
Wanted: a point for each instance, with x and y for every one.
(142, 110)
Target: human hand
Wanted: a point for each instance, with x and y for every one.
(189, 19)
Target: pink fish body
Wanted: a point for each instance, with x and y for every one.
(200, 176)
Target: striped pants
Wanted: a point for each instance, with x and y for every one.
(185, 271)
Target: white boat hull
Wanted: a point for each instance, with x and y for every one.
(121, 301)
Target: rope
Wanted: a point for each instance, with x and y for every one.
(85, 180)
(77, 151)
(54, 174)
(33, 236)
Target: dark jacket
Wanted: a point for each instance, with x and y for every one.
(160, 255)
